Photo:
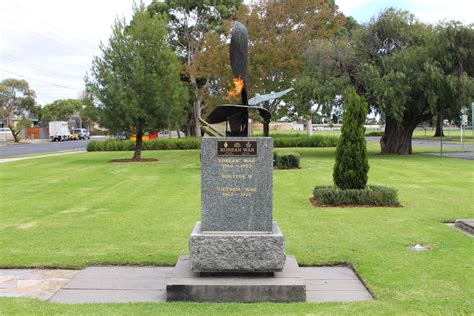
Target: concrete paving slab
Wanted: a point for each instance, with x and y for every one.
(334, 285)
(11, 284)
(108, 296)
(328, 273)
(117, 284)
(466, 225)
(148, 284)
(338, 296)
(13, 271)
(125, 272)
(35, 283)
(460, 230)
(9, 294)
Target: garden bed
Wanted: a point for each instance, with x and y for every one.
(371, 196)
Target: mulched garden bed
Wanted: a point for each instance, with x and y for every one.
(316, 203)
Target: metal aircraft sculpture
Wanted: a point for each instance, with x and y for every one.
(236, 116)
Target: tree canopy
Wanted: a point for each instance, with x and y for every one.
(16, 101)
(407, 71)
(192, 26)
(61, 110)
(136, 80)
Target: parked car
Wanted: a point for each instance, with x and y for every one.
(6, 134)
(82, 133)
(122, 136)
(73, 135)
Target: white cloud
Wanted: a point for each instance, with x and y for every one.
(53, 41)
(429, 11)
(433, 11)
(348, 6)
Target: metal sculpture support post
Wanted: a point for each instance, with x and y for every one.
(238, 61)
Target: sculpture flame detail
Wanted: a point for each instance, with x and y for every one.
(238, 86)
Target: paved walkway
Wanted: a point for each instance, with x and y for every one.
(148, 284)
(41, 284)
(3, 160)
(468, 155)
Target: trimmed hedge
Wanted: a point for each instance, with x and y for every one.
(305, 141)
(195, 143)
(375, 195)
(375, 133)
(286, 160)
(156, 144)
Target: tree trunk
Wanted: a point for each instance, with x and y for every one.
(15, 133)
(189, 131)
(309, 127)
(137, 155)
(197, 115)
(196, 104)
(179, 133)
(439, 130)
(15, 136)
(397, 139)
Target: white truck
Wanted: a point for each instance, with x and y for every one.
(58, 131)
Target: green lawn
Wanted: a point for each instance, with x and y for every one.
(77, 210)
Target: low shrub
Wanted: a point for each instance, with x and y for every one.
(195, 143)
(375, 195)
(286, 135)
(156, 144)
(305, 141)
(286, 160)
(374, 133)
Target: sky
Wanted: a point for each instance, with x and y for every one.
(51, 43)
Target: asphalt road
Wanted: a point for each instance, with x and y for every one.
(44, 147)
(80, 145)
(466, 152)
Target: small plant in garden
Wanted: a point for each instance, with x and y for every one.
(351, 168)
(286, 160)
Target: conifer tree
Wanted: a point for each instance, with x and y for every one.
(351, 168)
(137, 79)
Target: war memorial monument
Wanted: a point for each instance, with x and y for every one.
(237, 251)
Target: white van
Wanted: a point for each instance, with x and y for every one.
(5, 134)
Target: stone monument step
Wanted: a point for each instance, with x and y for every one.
(285, 286)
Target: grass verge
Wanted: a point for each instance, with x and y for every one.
(77, 210)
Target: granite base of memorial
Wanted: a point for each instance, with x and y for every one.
(236, 252)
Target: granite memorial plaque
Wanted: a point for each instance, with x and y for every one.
(236, 184)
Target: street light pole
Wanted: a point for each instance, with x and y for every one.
(442, 130)
(472, 120)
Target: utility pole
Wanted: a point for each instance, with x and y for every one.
(472, 121)
(442, 129)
